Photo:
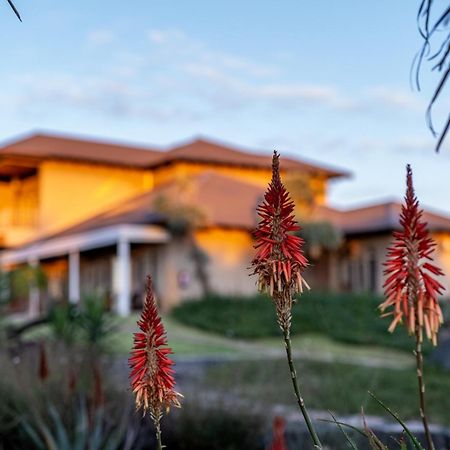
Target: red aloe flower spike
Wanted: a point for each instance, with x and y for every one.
(278, 443)
(279, 261)
(151, 375)
(43, 363)
(410, 288)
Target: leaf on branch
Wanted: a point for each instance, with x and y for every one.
(16, 12)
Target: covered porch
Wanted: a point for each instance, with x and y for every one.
(111, 247)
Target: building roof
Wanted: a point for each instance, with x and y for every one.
(201, 150)
(46, 146)
(378, 218)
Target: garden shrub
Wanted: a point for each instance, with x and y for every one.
(350, 318)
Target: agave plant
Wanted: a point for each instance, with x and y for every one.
(88, 430)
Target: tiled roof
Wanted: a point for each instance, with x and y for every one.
(202, 150)
(44, 146)
(41, 146)
(377, 218)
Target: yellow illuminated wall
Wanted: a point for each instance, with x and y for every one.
(230, 253)
(19, 203)
(64, 193)
(260, 177)
(70, 192)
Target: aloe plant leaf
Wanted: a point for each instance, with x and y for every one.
(374, 441)
(341, 428)
(414, 440)
(33, 435)
(60, 430)
(81, 428)
(362, 433)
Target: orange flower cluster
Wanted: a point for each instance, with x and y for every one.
(411, 288)
(151, 374)
(279, 261)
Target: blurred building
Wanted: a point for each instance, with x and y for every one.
(98, 217)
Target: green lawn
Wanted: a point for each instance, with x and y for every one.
(184, 341)
(188, 341)
(341, 388)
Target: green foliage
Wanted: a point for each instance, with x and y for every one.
(350, 318)
(89, 323)
(320, 235)
(183, 216)
(64, 322)
(87, 430)
(95, 321)
(25, 277)
(416, 444)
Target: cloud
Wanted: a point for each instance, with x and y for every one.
(177, 46)
(395, 98)
(95, 94)
(179, 77)
(98, 38)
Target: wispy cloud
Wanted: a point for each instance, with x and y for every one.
(182, 48)
(395, 98)
(97, 38)
(175, 76)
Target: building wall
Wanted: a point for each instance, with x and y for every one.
(19, 203)
(359, 264)
(230, 254)
(360, 267)
(260, 177)
(64, 193)
(176, 170)
(442, 259)
(71, 192)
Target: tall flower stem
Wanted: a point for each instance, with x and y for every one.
(298, 395)
(159, 445)
(421, 383)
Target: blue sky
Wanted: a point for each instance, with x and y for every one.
(322, 80)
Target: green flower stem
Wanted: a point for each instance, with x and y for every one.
(421, 383)
(300, 401)
(157, 422)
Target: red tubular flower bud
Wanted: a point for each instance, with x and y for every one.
(151, 375)
(411, 289)
(279, 261)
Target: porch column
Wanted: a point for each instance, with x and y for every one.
(74, 277)
(123, 275)
(33, 292)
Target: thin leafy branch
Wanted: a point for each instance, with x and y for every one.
(435, 32)
(13, 7)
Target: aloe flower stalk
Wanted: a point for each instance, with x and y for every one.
(411, 288)
(43, 371)
(279, 263)
(152, 380)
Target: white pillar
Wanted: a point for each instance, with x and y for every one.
(74, 277)
(33, 292)
(123, 281)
